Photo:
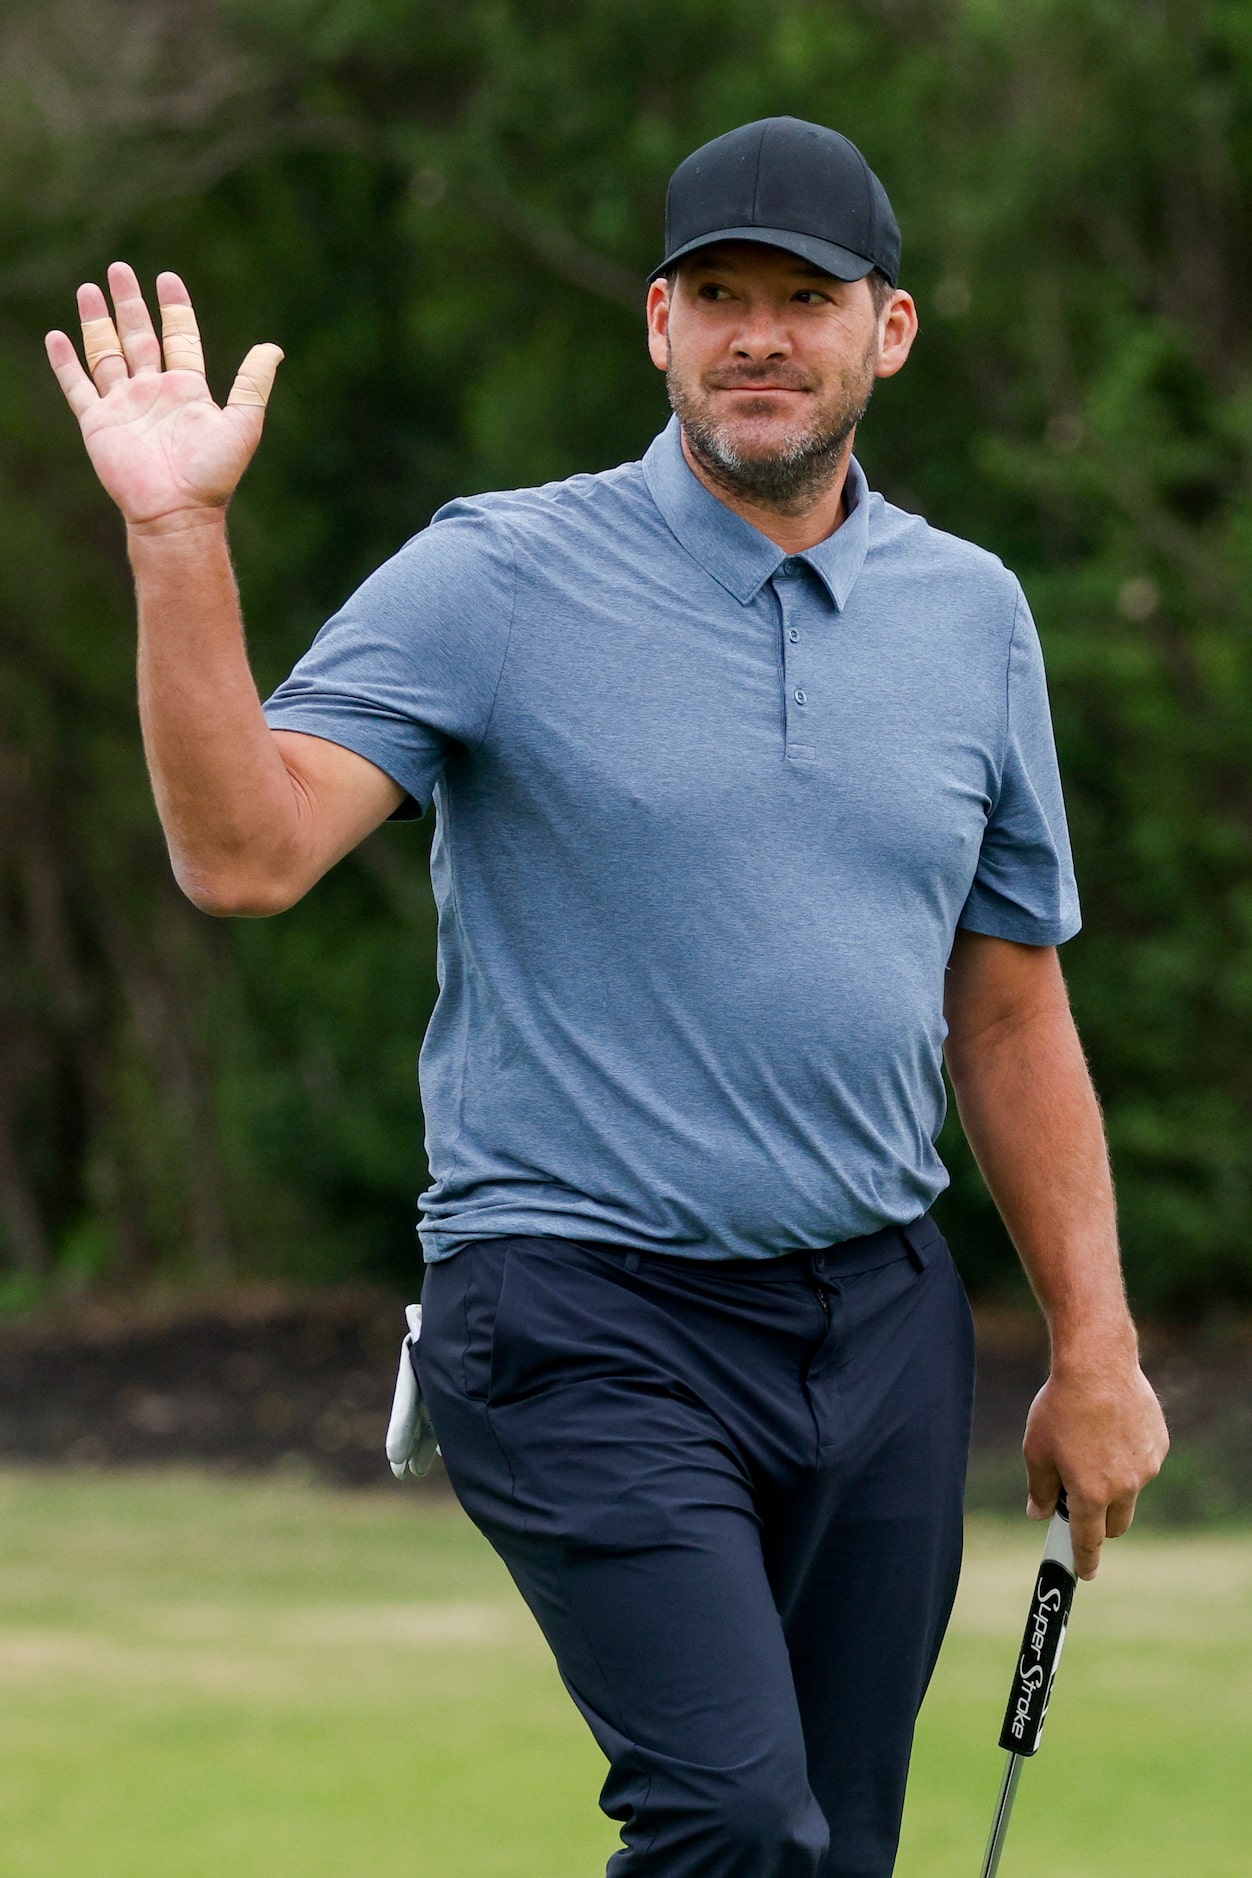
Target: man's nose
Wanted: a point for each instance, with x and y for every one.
(761, 335)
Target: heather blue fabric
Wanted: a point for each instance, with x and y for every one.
(707, 819)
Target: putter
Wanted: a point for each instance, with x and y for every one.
(1036, 1671)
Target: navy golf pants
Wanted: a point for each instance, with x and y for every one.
(731, 1495)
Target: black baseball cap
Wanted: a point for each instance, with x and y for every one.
(787, 184)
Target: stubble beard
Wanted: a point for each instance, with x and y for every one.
(803, 463)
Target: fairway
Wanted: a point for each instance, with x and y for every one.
(263, 1678)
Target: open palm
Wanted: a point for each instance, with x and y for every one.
(158, 442)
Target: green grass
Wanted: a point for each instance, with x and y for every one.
(222, 1679)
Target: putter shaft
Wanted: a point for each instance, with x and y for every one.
(1004, 1812)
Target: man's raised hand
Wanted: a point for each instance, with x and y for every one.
(166, 453)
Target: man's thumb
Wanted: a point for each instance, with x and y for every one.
(255, 378)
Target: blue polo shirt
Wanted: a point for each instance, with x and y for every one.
(707, 820)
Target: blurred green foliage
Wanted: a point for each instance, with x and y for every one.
(444, 215)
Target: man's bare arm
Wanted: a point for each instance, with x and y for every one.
(253, 817)
(1032, 1119)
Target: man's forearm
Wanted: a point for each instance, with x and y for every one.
(1031, 1117)
(223, 793)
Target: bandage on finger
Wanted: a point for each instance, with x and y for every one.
(180, 337)
(255, 378)
(100, 342)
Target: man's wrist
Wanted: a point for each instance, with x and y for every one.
(190, 524)
(1088, 1346)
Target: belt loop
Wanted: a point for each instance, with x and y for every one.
(919, 1236)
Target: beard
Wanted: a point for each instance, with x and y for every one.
(798, 466)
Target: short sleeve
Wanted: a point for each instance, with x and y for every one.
(1024, 888)
(409, 666)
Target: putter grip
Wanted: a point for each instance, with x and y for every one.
(1043, 1640)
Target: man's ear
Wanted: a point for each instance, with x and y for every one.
(899, 330)
(658, 323)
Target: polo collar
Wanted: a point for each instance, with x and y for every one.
(735, 553)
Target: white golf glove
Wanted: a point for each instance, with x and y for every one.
(411, 1443)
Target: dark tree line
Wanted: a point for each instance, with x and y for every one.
(444, 216)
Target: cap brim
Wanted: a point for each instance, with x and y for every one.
(839, 262)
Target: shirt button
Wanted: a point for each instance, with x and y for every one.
(800, 697)
(792, 634)
(788, 568)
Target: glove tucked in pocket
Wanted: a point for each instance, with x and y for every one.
(411, 1442)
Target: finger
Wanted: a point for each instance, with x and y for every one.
(1120, 1517)
(101, 346)
(180, 332)
(1045, 1486)
(255, 378)
(1086, 1533)
(80, 393)
(134, 322)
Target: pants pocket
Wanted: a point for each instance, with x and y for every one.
(480, 1310)
(460, 1297)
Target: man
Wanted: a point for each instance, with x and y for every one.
(744, 783)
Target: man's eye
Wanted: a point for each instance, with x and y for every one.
(809, 295)
(711, 291)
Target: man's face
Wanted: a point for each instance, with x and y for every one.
(769, 365)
